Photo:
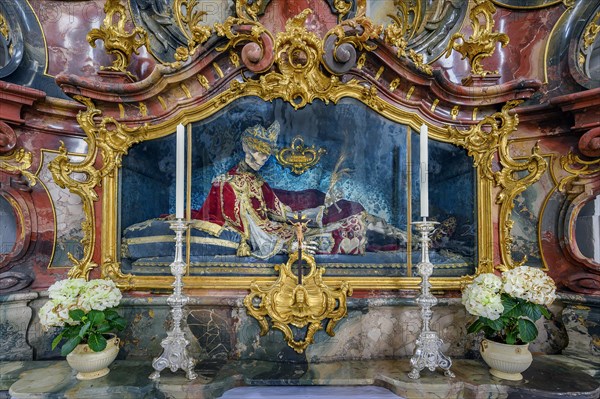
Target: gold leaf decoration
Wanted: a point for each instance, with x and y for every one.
(288, 302)
(485, 141)
(189, 18)
(18, 161)
(577, 168)
(81, 178)
(117, 41)
(482, 42)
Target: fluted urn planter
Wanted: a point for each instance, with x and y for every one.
(506, 361)
(89, 364)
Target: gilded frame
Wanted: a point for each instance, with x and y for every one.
(485, 139)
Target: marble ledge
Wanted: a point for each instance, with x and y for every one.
(550, 376)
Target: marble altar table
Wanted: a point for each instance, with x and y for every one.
(550, 376)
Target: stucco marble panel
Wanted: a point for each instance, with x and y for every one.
(69, 215)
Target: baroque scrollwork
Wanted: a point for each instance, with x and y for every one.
(82, 178)
(488, 140)
(577, 169)
(396, 35)
(298, 55)
(342, 42)
(482, 42)
(117, 41)
(189, 18)
(18, 162)
(6, 36)
(586, 45)
(288, 302)
(257, 52)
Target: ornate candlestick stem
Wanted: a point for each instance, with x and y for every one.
(428, 347)
(174, 355)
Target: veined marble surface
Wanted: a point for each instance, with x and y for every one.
(548, 377)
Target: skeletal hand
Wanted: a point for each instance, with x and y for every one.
(310, 247)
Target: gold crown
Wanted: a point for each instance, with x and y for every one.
(261, 139)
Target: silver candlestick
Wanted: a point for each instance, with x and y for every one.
(428, 347)
(174, 355)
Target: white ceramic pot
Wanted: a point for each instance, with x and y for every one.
(90, 364)
(506, 361)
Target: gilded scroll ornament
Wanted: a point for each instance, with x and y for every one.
(297, 54)
(343, 7)
(298, 157)
(482, 42)
(577, 169)
(488, 140)
(586, 44)
(396, 34)
(189, 18)
(257, 50)
(5, 32)
(81, 178)
(290, 303)
(250, 9)
(117, 41)
(18, 162)
(591, 32)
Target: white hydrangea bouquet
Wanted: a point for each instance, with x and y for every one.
(84, 310)
(508, 306)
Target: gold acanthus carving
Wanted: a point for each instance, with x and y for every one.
(395, 34)
(577, 169)
(286, 302)
(113, 139)
(488, 140)
(117, 41)
(297, 54)
(591, 31)
(18, 161)
(343, 7)
(482, 42)
(256, 53)
(5, 32)
(189, 18)
(298, 157)
(250, 9)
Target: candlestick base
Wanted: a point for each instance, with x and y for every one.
(174, 355)
(428, 353)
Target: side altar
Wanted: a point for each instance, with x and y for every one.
(290, 108)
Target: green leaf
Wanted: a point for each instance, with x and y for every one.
(511, 306)
(119, 323)
(71, 331)
(96, 317)
(97, 342)
(527, 330)
(104, 328)
(495, 325)
(111, 314)
(532, 310)
(84, 329)
(511, 337)
(56, 340)
(76, 314)
(545, 312)
(476, 326)
(70, 345)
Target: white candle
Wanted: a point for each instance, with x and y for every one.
(179, 172)
(424, 172)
